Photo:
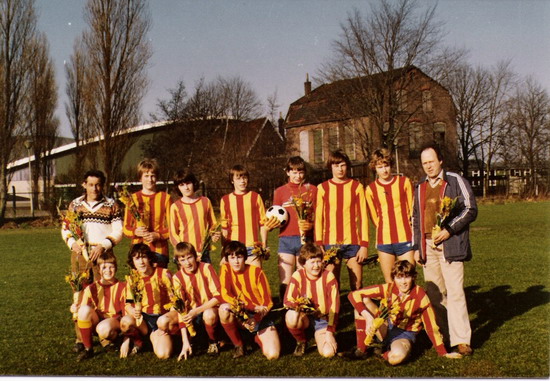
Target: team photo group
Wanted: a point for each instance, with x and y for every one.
(419, 227)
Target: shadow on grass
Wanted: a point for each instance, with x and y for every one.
(499, 305)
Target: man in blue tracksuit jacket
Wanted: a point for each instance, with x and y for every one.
(443, 255)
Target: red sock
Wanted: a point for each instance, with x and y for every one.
(85, 328)
(135, 336)
(233, 333)
(298, 334)
(211, 331)
(360, 330)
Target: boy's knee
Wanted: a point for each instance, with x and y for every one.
(224, 312)
(125, 323)
(210, 316)
(85, 313)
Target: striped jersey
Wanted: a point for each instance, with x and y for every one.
(198, 287)
(107, 300)
(322, 291)
(242, 216)
(283, 197)
(101, 222)
(341, 214)
(156, 293)
(390, 209)
(155, 207)
(189, 222)
(415, 311)
(251, 286)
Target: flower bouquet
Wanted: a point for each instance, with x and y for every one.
(208, 241)
(126, 198)
(181, 306)
(385, 311)
(304, 209)
(137, 288)
(446, 207)
(237, 308)
(77, 281)
(262, 253)
(303, 304)
(72, 222)
(332, 256)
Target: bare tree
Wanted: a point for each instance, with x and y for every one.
(393, 35)
(174, 108)
(17, 30)
(41, 122)
(116, 52)
(528, 123)
(239, 100)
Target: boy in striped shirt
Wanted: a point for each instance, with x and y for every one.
(247, 286)
(410, 311)
(157, 282)
(153, 206)
(199, 286)
(320, 286)
(191, 217)
(390, 202)
(341, 218)
(242, 213)
(102, 307)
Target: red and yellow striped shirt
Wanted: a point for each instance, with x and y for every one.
(107, 300)
(242, 215)
(198, 287)
(341, 214)
(390, 209)
(322, 291)
(189, 222)
(157, 205)
(156, 293)
(415, 311)
(251, 286)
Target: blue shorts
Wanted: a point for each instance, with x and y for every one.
(290, 244)
(395, 333)
(162, 260)
(151, 320)
(346, 251)
(317, 323)
(263, 324)
(396, 248)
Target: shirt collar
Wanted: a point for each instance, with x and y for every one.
(437, 180)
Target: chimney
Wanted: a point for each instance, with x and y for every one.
(307, 85)
(281, 125)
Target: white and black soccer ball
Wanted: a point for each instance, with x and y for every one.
(279, 212)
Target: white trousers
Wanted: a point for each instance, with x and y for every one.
(445, 288)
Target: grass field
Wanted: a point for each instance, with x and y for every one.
(507, 286)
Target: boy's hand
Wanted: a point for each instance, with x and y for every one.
(150, 237)
(272, 223)
(261, 310)
(216, 236)
(305, 225)
(362, 254)
(186, 351)
(137, 312)
(141, 231)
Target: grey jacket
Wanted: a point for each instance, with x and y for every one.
(457, 247)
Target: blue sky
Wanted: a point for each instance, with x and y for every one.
(273, 44)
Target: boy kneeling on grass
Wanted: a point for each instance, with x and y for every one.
(247, 300)
(198, 286)
(404, 311)
(312, 299)
(141, 318)
(101, 308)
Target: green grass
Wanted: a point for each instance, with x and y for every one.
(507, 287)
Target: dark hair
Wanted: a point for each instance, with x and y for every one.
(295, 163)
(184, 248)
(238, 170)
(184, 176)
(234, 247)
(139, 250)
(380, 156)
(433, 146)
(336, 157)
(308, 251)
(403, 268)
(95, 173)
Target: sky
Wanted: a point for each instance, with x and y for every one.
(273, 44)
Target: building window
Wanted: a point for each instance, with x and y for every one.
(304, 145)
(401, 100)
(427, 101)
(333, 139)
(415, 139)
(318, 146)
(349, 141)
(439, 134)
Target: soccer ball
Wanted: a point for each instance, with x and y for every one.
(279, 212)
